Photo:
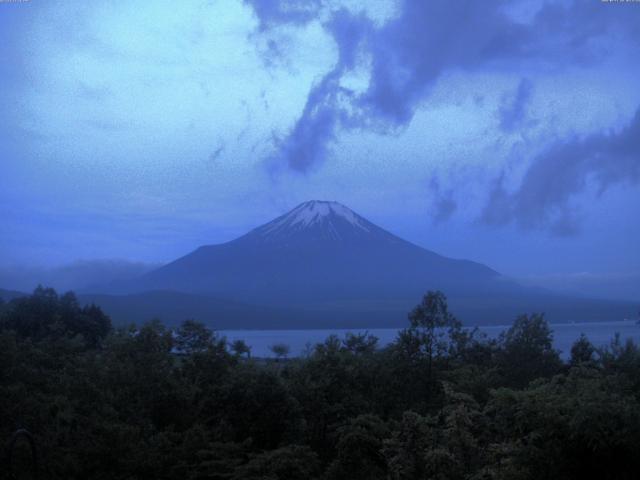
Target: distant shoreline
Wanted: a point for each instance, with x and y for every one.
(363, 329)
(300, 340)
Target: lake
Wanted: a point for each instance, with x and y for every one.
(564, 334)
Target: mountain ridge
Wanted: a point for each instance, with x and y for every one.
(328, 265)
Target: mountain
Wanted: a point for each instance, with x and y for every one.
(318, 252)
(322, 263)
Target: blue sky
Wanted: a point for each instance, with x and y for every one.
(504, 132)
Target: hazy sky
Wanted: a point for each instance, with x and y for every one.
(504, 132)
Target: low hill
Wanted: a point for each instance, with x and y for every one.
(8, 295)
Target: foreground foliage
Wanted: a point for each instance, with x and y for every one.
(440, 403)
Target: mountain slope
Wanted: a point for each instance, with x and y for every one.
(322, 264)
(320, 251)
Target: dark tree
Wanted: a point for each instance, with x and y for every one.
(280, 350)
(286, 463)
(192, 337)
(360, 343)
(240, 348)
(45, 315)
(359, 450)
(527, 351)
(432, 327)
(582, 351)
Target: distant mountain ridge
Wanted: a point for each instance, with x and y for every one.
(8, 295)
(80, 275)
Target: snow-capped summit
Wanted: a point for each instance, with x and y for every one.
(315, 211)
(316, 219)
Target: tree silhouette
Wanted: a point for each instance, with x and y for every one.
(431, 327)
(240, 347)
(280, 350)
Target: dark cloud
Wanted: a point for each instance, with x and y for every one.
(308, 141)
(565, 169)
(410, 52)
(274, 12)
(443, 204)
(513, 111)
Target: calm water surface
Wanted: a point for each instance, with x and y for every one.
(564, 334)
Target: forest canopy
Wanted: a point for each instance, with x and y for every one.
(442, 401)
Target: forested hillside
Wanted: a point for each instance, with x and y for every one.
(440, 403)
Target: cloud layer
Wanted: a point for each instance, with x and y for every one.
(566, 168)
(405, 56)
